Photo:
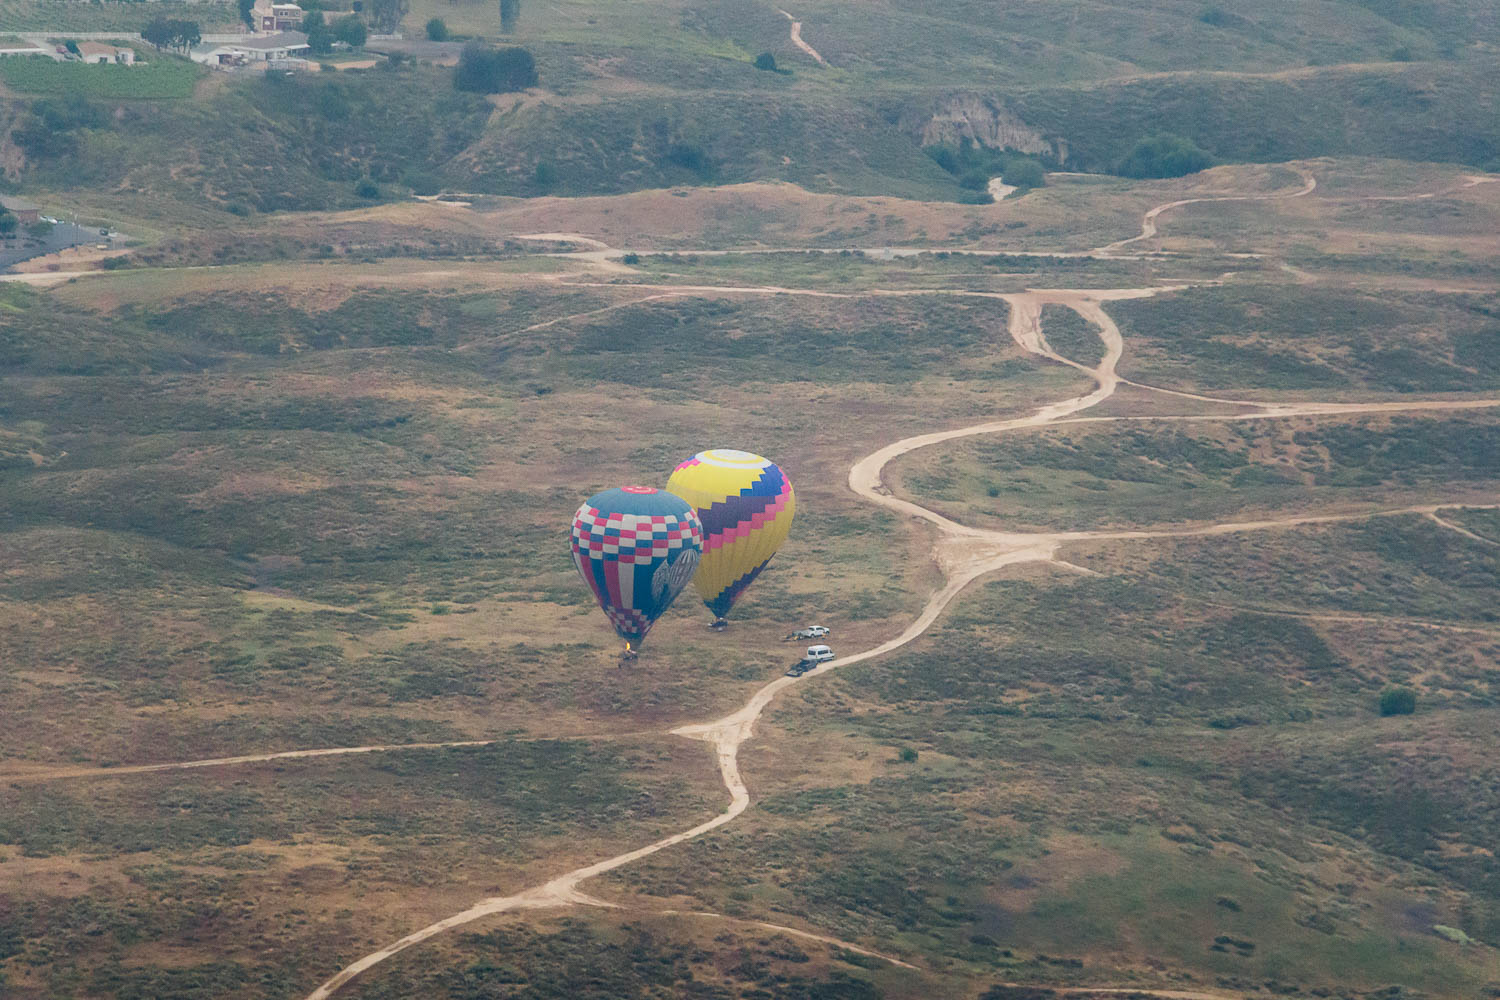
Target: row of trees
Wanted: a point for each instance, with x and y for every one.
(172, 33)
(321, 34)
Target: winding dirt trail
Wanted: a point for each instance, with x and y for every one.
(1148, 223)
(963, 553)
(797, 38)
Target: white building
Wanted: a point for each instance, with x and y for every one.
(272, 17)
(98, 52)
(251, 48)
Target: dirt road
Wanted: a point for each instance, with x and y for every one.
(797, 38)
(1148, 223)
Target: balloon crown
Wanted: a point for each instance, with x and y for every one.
(638, 489)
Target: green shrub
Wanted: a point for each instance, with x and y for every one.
(422, 183)
(1023, 172)
(437, 30)
(1398, 701)
(766, 61)
(1164, 155)
(351, 31)
(907, 755)
(367, 188)
(483, 70)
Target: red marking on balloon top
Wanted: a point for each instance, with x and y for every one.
(638, 489)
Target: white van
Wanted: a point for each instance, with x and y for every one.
(819, 654)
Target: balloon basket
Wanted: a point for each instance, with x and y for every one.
(719, 624)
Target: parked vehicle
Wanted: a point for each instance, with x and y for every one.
(810, 632)
(815, 655)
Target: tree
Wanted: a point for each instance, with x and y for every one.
(158, 32)
(766, 61)
(39, 230)
(1398, 701)
(1164, 155)
(319, 35)
(351, 31)
(8, 225)
(437, 30)
(246, 6)
(484, 70)
(71, 46)
(1021, 172)
(510, 13)
(386, 15)
(185, 34)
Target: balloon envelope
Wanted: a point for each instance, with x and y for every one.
(636, 547)
(746, 505)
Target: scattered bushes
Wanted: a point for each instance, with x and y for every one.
(483, 70)
(976, 165)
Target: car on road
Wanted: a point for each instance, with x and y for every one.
(810, 632)
(815, 655)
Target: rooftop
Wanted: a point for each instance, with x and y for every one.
(280, 40)
(18, 204)
(96, 49)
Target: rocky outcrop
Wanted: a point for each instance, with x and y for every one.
(982, 120)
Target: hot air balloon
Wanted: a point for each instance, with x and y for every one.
(746, 505)
(636, 547)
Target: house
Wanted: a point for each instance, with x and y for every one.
(269, 16)
(98, 52)
(251, 48)
(25, 212)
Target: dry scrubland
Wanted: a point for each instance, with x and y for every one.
(295, 477)
(312, 498)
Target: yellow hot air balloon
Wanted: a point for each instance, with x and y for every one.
(746, 505)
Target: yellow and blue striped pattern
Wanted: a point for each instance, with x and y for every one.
(746, 504)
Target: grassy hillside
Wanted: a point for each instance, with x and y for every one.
(671, 98)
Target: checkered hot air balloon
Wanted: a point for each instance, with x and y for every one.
(636, 547)
(746, 505)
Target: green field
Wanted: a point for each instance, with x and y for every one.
(161, 77)
(112, 15)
